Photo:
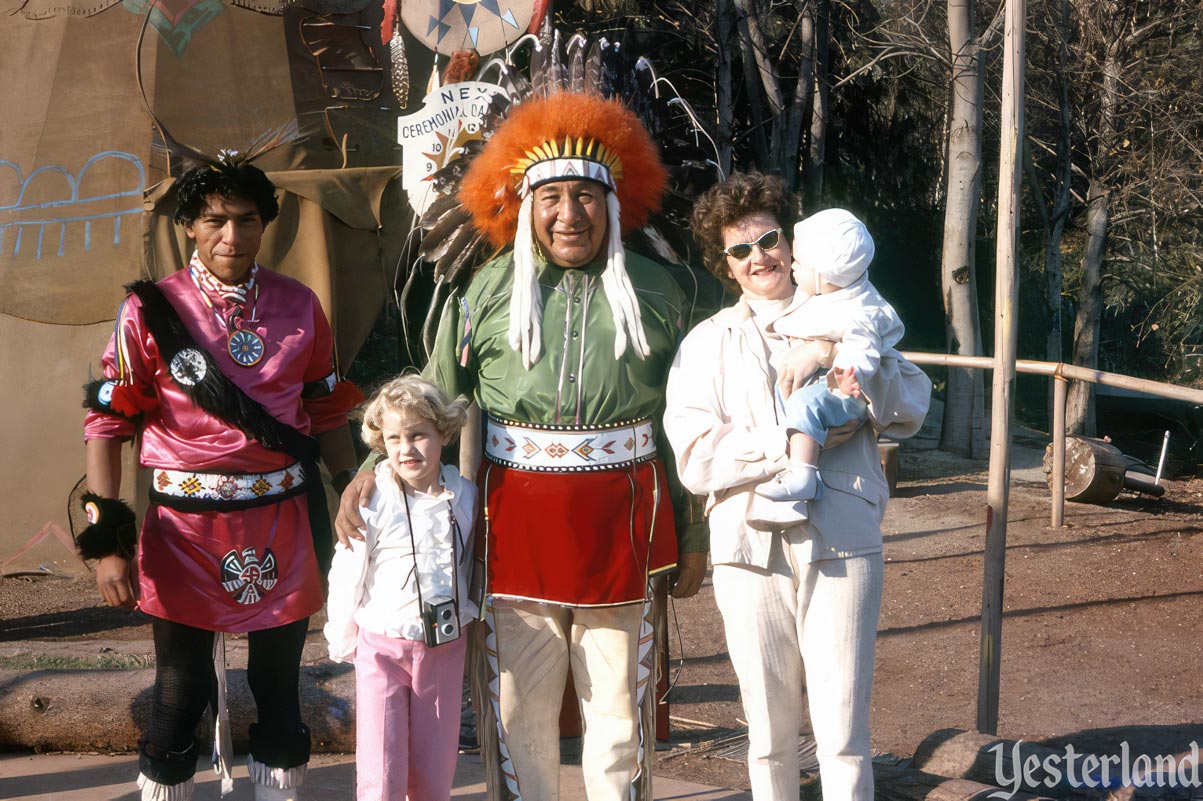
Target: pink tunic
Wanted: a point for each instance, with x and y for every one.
(181, 553)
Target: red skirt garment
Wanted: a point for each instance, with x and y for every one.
(579, 539)
(229, 571)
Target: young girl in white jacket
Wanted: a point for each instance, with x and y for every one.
(398, 598)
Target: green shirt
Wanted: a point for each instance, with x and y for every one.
(577, 380)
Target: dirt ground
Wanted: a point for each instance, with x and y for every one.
(1101, 640)
(1101, 637)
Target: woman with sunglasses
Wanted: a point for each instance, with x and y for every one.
(806, 597)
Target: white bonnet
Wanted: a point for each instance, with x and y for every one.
(835, 244)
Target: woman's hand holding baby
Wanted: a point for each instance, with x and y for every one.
(801, 362)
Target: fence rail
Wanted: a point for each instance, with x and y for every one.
(1061, 374)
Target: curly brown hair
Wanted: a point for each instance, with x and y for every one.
(726, 203)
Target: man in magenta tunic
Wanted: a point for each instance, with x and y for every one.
(225, 372)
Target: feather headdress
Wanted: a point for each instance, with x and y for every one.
(566, 136)
(555, 101)
(563, 133)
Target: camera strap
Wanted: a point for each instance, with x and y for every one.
(413, 546)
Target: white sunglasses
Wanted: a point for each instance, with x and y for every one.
(767, 241)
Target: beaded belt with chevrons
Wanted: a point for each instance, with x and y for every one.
(226, 488)
(568, 449)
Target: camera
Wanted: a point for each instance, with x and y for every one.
(440, 620)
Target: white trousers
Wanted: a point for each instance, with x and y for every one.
(820, 617)
(536, 644)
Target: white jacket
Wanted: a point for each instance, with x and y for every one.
(390, 606)
(722, 422)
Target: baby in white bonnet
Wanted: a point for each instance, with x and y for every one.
(832, 251)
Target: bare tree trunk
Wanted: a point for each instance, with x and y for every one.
(756, 50)
(788, 129)
(747, 45)
(1053, 222)
(1079, 411)
(812, 175)
(1053, 207)
(964, 404)
(725, 37)
(786, 126)
(1053, 284)
(1053, 348)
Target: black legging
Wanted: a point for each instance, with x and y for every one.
(185, 683)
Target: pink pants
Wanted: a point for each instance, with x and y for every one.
(403, 688)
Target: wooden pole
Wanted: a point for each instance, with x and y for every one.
(1006, 329)
(1060, 391)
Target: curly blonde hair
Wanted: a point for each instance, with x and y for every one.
(411, 394)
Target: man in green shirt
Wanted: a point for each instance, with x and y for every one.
(565, 343)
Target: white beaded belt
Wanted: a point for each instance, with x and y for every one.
(227, 488)
(568, 449)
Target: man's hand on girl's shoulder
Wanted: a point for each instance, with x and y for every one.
(348, 523)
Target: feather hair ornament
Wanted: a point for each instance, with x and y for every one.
(288, 131)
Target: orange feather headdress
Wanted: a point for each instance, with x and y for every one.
(531, 144)
(566, 136)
